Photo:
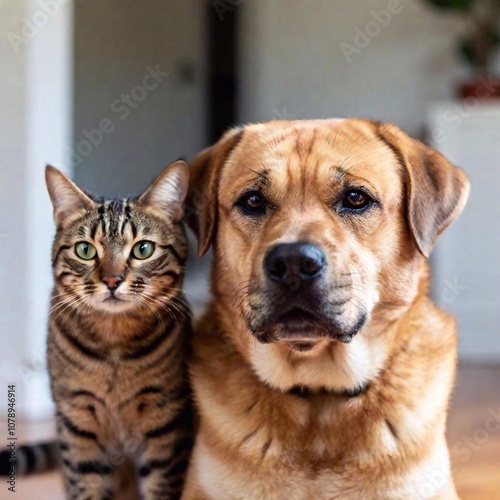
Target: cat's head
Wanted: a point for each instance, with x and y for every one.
(119, 255)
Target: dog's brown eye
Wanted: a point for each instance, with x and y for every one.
(252, 203)
(356, 200)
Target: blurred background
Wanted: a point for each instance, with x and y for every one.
(113, 90)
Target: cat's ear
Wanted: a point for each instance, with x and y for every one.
(66, 197)
(168, 191)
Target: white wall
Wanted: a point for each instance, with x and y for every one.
(115, 41)
(13, 243)
(467, 270)
(292, 62)
(35, 125)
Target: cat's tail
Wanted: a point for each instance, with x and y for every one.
(29, 459)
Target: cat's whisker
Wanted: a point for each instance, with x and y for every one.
(61, 303)
(69, 306)
(168, 304)
(171, 301)
(162, 306)
(150, 304)
(81, 307)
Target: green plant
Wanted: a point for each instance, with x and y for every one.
(484, 16)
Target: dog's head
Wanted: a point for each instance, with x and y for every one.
(319, 227)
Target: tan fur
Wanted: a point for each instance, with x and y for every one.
(258, 440)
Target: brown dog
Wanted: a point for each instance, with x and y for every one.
(322, 369)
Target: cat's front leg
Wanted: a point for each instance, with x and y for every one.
(88, 474)
(163, 464)
(161, 473)
(87, 479)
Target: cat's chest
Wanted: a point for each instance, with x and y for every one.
(126, 395)
(116, 378)
(110, 380)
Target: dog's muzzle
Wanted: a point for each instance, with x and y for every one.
(297, 291)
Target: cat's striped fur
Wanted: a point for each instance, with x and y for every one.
(118, 335)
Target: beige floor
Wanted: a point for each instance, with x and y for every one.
(474, 435)
(475, 450)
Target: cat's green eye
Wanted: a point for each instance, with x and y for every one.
(85, 251)
(143, 250)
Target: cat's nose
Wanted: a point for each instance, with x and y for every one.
(113, 281)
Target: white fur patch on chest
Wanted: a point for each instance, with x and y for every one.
(333, 365)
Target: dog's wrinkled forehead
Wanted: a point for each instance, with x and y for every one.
(301, 161)
(307, 157)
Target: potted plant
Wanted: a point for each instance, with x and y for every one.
(479, 46)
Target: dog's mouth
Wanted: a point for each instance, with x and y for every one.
(297, 320)
(302, 328)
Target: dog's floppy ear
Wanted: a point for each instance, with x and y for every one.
(204, 175)
(436, 191)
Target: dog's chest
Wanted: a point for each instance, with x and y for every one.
(277, 471)
(322, 432)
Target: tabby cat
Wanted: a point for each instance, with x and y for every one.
(118, 335)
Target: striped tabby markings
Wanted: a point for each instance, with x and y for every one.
(120, 371)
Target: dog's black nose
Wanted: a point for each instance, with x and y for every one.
(288, 262)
